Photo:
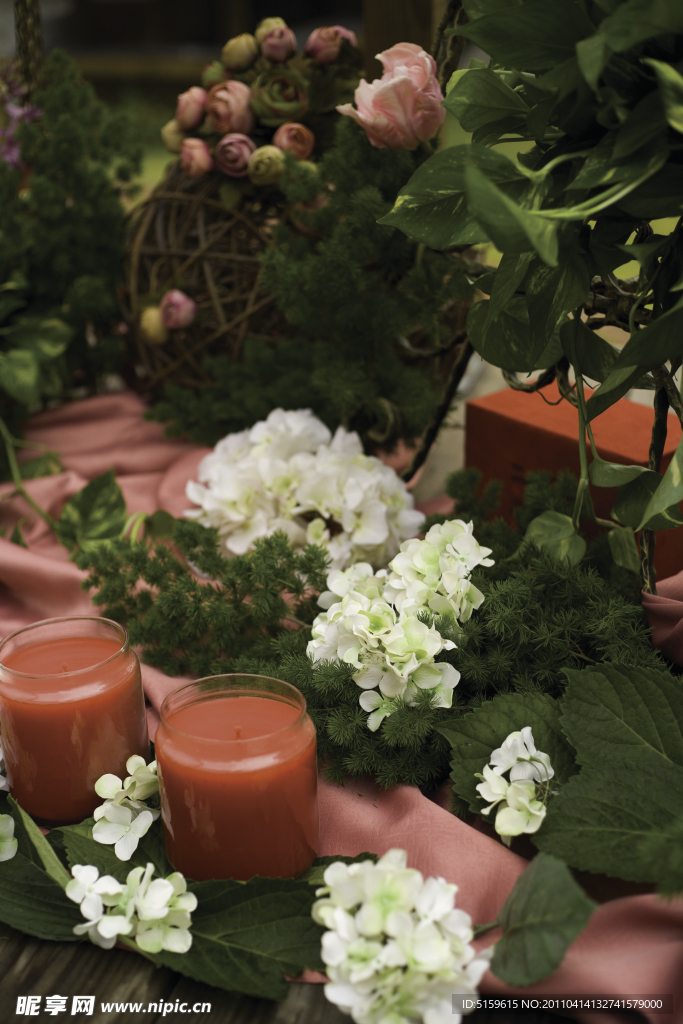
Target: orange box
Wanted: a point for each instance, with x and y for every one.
(511, 432)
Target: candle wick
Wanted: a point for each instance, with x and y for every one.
(238, 732)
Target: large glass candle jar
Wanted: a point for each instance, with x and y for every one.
(237, 767)
(71, 709)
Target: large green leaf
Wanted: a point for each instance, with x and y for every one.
(600, 819)
(541, 917)
(480, 97)
(20, 375)
(432, 207)
(46, 856)
(622, 543)
(644, 124)
(246, 936)
(590, 354)
(654, 344)
(637, 20)
(551, 292)
(81, 848)
(34, 903)
(659, 196)
(632, 507)
(476, 735)
(511, 272)
(509, 226)
(95, 514)
(613, 474)
(671, 90)
(617, 383)
(669, 493)
(554, 533)
(505, 342)
(618, 714)
(46, 337)
(535, 36)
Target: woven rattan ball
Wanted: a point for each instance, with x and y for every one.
(191, 234)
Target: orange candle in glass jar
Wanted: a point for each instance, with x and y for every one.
(237, 765)
(71, 709)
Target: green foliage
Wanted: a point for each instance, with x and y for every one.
(61, 241)
(541, 917)
(95, 514)
(350, 290)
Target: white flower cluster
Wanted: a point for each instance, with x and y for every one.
(288, 473)
(124, 817)
(8, 844)
(155, 913)
(397, 950)
(371, 621)
(519, 807)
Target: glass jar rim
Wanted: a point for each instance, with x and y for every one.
(59, 619)
(297, 700)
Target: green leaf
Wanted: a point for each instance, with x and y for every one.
(511, 272)
(613, 474)
(541, 917)
(592, 54)
(600, 818)
(81, 848)
(509, 226)
(624, 549)
(34, 903)
(52, 866)
(534, 36)
(617, 383)
(159, 525)
(432, 207)
(637, 20)
(669, 492)
(633, 502)
(314, 875)
(19, 376)
(654, 344)
(551, 292)
(591, 354)
(554, 533)
(95, 514)
(619, 714)
(9, 304)
(505, 342)
(659, 196)
(479, 96)
(47, 338)
(246, 936)
(47, 464)
(648, 253)
(474, 736)
(644, 123)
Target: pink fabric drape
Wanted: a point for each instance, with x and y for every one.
(632, 946)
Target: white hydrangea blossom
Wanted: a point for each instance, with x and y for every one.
(371, 619)
(124, 817)
(396, 948)
(8, 844)
(155, 913)
(288, 473)
(521, 801)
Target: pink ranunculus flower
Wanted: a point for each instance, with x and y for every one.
(228, 108)
(190, 110)
(323, 44)
(295, 139)
(177, 310)
(232, 154)
(403, 107)
(195, 157)
(278, 44)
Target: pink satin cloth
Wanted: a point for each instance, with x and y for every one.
(665, 614)
(632, 946)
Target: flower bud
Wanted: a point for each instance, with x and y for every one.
(153, 329)
(295, 139)
(323, 44)
(177, 310)
(279, 95)
(239, 52)
(266, 165)
(190, 109)
(214, 73)
(172, 136)
(228, 108)
(233, 153)
(195, 157)
(266, 26)
(278, 44)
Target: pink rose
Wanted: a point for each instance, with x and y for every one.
(177, 310)
(195, 157)
(403, 107)
(228, 107)
(324, 44)
(295, 139)
(190, 110)
(232, 154)
(278, 44)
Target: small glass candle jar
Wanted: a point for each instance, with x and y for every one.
(237, 766)
(71, 709)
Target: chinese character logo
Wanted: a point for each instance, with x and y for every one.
(28, 1006)
(83, 1004)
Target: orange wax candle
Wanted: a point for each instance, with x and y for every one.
(71, 709)
(237, 767)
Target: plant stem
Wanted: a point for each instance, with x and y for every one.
(583, 419)
(16, 477)
(647, 537)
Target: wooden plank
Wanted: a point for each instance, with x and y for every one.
(31, 966)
